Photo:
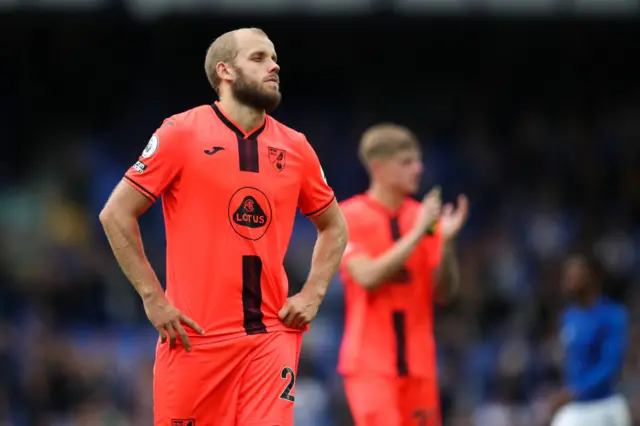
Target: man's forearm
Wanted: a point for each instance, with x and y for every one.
(124, 237)
(325, 261)
(448, 274)
(371, 273)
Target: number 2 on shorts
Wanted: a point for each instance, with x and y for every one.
(287, 373)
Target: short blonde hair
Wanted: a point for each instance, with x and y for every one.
(223, 49)
(385, 140)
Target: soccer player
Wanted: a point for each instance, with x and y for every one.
(400, 255)
(231, 179)
(594, 335)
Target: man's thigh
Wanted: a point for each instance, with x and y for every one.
(373, 400)
(419, 402)
(267, 389)
(199, 387)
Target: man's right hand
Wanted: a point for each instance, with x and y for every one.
(430, 210)
(168, 320)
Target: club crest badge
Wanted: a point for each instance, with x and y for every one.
(277, 158)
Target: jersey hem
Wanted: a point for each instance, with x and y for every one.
(197, 340)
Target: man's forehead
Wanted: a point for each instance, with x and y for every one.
(408, 152)
(400, 155)
(253, 41)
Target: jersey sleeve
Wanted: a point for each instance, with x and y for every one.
(315, 194)
(160, 163)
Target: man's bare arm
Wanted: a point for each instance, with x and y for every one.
(328, 251)
(299, 310)
(370, 273)
(447, 276)
(119, 218)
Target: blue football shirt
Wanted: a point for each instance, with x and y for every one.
(595, 341)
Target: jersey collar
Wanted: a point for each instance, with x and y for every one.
(253, 134)
(381, 207)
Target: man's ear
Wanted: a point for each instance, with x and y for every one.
(374, 165)
(224, 71)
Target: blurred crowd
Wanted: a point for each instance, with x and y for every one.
(544, 177)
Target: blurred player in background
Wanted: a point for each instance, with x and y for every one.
(231, 179)
(400, 256)
(594, 336)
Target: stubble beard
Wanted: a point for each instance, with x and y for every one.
(251, 93)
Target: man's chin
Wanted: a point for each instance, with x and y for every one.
(273, 103)
(267, 103)
(412, 189)
(273, 94)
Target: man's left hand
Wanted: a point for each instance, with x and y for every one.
(299, 310)
(453, 218)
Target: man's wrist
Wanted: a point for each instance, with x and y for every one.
(417, 233)
(150, 294)
(314, 291)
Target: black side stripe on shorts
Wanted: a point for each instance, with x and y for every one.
(252, 295)
(248, 153)
(401, 343)
(402, 276)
